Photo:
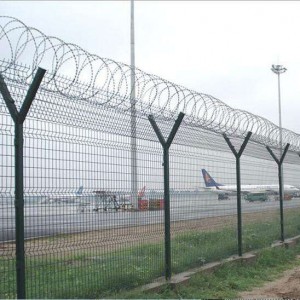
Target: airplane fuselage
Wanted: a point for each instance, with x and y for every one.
(255, 188)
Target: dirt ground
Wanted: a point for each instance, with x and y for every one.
(285, 287)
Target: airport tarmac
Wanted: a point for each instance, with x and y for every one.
(51, 219)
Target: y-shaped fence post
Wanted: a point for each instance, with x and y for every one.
(166, 145)
(238, 185)
(19, 118)
(279, 164)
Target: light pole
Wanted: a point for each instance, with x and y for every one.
(279, 69)
(134, 189)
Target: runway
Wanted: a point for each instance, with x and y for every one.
(51, 219)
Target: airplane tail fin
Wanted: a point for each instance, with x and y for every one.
(141, 193)
(80, 190)
(209, 181)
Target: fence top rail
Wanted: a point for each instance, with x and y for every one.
(78, 75)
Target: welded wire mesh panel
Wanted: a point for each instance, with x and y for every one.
(291, 176)
(93, 173)
(83, 237)
(203, 226)
(195, 173)
(261, 223)
(261, 207)
(7, 210)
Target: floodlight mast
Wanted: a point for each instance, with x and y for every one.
(134, 179)
(279, 69)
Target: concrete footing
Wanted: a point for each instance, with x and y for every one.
(288, 243)
(180, 279)
(207, 268)
(296, 238)
(154, 286)
(277, 244)
(249, 258)
(184, 277)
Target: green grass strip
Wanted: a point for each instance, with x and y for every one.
(229, 280)
(91, 275)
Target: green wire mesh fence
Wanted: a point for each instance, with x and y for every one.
(87, 233)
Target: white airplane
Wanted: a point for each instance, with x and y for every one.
(211, 184)
(66, 198)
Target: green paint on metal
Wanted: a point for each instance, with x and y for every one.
(19, 118)
(279, 164)
(238, 186)
(166, 145)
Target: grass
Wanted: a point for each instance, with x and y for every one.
(94, 275)
(229, 280)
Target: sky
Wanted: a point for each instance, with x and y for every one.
(222, 48)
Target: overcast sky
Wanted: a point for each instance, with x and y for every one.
(224, 49)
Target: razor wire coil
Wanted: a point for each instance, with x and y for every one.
(76, 74)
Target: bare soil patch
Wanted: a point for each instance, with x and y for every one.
(285, 287)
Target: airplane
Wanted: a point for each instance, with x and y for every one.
(211, 184)
(65, 198)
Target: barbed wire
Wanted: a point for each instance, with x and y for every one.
(88, 77)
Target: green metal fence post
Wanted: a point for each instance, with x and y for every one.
(279, 164)
(238, 186)
(19, 118)
(19, 211)
(167, 214)
(166, 145)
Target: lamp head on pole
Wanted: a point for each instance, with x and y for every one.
(278, 69)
